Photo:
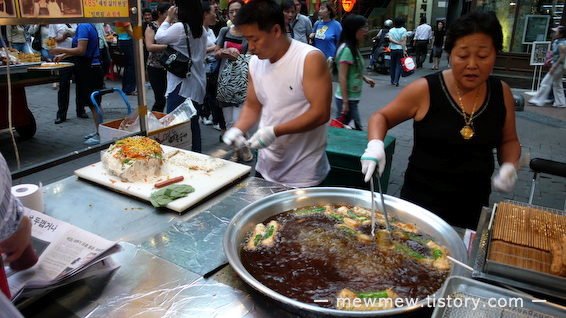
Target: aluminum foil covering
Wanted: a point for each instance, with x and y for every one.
(166, 255)
(196, 243)
(148, 286)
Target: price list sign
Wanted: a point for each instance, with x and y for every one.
(106, 8)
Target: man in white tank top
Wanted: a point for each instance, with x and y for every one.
(289, 93)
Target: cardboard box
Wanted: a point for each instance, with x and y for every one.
(178, 136)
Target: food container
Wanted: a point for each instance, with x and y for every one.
(504, 273)
(260, 210)
(465, 297)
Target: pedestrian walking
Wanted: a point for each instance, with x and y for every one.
(553, 79)
(398, 48)
(351, 69)
(438, 38)
(421, 40)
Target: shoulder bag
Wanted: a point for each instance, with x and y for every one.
(36, 43)
(176, 62)
(233, 80)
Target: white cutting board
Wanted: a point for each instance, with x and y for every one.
(205, 183)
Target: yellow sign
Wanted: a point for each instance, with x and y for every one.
(106, 8)
(348, 5)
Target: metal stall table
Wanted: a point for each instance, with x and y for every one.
(173, 264)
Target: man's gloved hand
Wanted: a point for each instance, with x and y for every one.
(262, 138)
(374, 155)
(234, 136)
(505, 179)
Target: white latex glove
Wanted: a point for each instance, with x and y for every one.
(262, 138)
(374, 155)
(234, 136)
(505, 179)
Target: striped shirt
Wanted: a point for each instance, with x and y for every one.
(11, 210)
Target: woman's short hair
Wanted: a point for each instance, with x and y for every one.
(331, 9)
(472, 23)
(398, 22)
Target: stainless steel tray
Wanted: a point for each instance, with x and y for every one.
(485, 269)
(471, 298)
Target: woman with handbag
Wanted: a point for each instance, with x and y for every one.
(351, 69)
(398, 47)
(186, 37)
(231, 49)
(552, 81)
(156, 73)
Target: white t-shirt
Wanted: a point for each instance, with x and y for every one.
(297, 160)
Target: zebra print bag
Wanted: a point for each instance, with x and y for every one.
(233, 80)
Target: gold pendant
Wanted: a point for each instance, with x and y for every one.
(467, 132)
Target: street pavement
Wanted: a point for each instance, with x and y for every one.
(542, 133)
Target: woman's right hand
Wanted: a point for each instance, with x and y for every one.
(231, 53)
(171, 14)
(345, 107)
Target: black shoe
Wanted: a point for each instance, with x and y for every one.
(83, 115)
(59, 120)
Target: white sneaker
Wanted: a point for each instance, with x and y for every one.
(217, 127)
(94, 140)
(530, 93)
(206, 121)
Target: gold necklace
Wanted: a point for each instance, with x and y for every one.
(467, 131)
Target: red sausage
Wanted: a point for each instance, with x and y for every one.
(167, 182)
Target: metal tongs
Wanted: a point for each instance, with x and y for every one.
(387, 226)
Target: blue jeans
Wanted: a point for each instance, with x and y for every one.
(354, 113)
(396, 68)
(173, 101)
(45, 54)
(22, 47)
(129, 79)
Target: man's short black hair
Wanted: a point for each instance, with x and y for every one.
(266, 13)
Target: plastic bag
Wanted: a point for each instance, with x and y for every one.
(408, 63)
(339, 122)
(181, 114)
(132, 122)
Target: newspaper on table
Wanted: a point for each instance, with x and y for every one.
(66, 254)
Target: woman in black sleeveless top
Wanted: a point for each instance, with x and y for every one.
(460, 116)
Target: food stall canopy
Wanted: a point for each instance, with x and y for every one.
(67, 11)
(15, 12)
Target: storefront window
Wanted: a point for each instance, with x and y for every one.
(514, 15)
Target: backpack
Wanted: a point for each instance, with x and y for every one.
(332, 65)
